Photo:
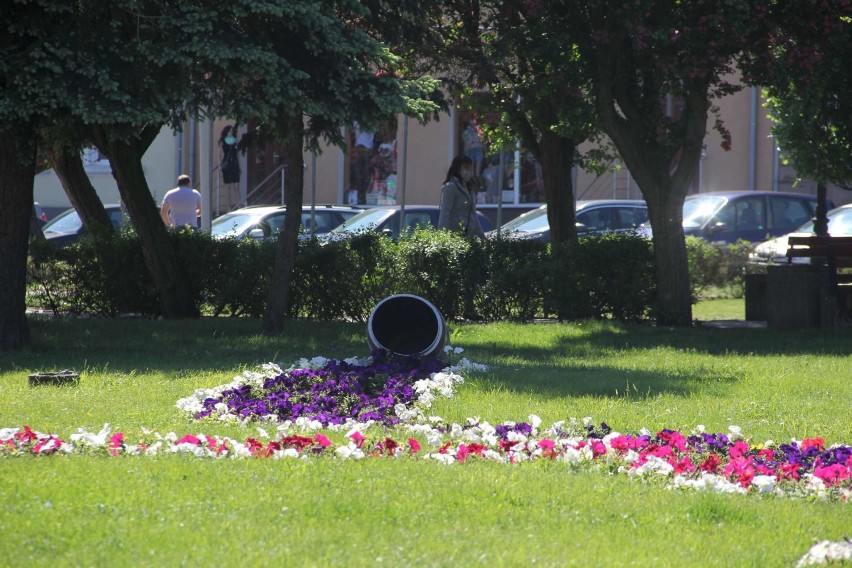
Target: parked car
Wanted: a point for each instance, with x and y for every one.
(755, 216)
(775, 250)
(67, 227)
(265, 221)
(385, 219)
(40, 214)
(593, 217)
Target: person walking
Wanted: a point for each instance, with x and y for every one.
(458, 204)
(181, 205)
(458, 213)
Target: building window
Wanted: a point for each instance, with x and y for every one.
(521, 175)
(372, 165)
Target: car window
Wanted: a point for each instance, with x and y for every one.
(324, 221)
(369, 219)
(750, 214)
(698, 210)
(413, 221)
(598, 219)
(788, 212)
(232, 224)
(535, 220)
(273, 223)
(841, 223)
(68, 222)
(117, 218)
(630, 217)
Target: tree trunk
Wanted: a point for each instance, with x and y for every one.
(278, 297)
(68, 166)
(125, 158)
(556, 155)
(17, 170)
(674, 296)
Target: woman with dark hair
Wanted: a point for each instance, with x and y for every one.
(458, 204)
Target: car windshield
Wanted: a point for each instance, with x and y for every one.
(535, 220)
(697, 211)
(839, 223)
(232, 224)
(364, 221)
(68, 222)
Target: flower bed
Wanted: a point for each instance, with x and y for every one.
(374, 408)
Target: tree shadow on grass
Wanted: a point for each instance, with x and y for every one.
(604, 380)
(179, 347)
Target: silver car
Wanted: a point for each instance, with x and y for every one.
(593, 217)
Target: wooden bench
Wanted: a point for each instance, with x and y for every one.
(836, 253)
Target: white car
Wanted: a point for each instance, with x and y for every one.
(775, 251)
(266, 221)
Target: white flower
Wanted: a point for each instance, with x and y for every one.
(7, 433)
(764, 483)
(85, 438)
(735, 432)
(535, 421)
(825, 552)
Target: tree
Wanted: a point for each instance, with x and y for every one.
(514, 58)
(643, 54)
(809, 91)
(27, 28)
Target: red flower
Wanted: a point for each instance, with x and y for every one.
(413, 445)
(818, 443)
(711, 464)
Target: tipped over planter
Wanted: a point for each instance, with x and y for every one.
(407, 325)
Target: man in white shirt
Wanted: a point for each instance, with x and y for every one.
(182, 205)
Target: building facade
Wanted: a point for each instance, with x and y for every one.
(405, 161)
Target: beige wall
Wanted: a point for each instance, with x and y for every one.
(430, 150)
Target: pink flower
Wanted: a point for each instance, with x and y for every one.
(685, 465)
(189, 439)
(116, 440)
(462, 453)
(598, 448)
(623, 443)
(739, 449)
(546, 445)
(833, 474)
(323, 441)
(358, 438)
(818, 443)
(413, 445)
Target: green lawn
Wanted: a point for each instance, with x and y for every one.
(175, 510)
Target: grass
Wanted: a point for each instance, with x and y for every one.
(174, 510)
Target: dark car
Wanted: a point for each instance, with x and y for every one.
(385, 219)
(264, 221)
(593, 217)
(67, 227)
(755, 216)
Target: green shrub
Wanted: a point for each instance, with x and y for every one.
(515, 283)
(437, 265)
(716, 265)
(601, 276)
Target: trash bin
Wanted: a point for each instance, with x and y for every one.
(755, 297)
(797, 296)
(408, 325)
